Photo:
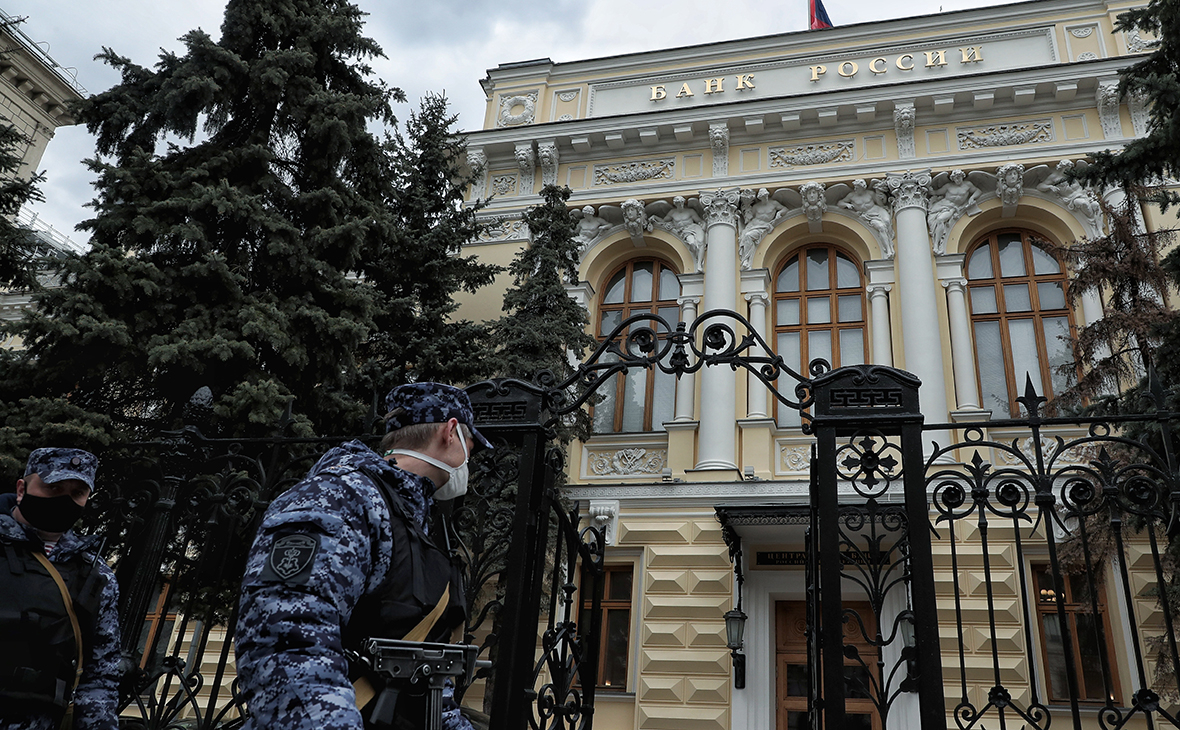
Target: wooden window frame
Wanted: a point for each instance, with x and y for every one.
(1048, 606)
(1036, 314)
(627, 308)
(833, 292)
(603, 637)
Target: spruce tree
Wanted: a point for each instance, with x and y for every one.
(19, 255)
(418, 272)
(542, 325)
(239, 190)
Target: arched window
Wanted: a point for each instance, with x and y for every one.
(819, 311)
(1020, 318)
(641, 399)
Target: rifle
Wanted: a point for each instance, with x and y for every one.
(421, 665)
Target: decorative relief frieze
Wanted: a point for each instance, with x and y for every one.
(719, 139)
(629, 172)
(547, 152)
(502, 228)
(820, 153)
(509, 117)
(566, 118)
(504, 184)
(1087, 56)
(1005, 135)
(904, 117)
(1137, 44)
(1082, 32)
(628, 462)
(567, 95)
(795, 458)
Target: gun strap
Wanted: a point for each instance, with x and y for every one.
(363, 687)
(69, 602)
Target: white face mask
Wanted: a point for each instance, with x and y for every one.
(456, 483)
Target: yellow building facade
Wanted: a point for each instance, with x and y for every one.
(879, 193)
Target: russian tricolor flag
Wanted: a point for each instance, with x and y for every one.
(817, 15)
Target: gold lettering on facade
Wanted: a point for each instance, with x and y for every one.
(745, 81)
(713, 86)
(873, 65)
(658, 92)
(972, 55)
(817, 71)
(843, 70)
(935, 58)
(684, 90)
(906, 57)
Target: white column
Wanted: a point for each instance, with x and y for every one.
(755, 388)
(962, 354)
(882, 333)
(718, 430)
(686, 388)
(921, 333)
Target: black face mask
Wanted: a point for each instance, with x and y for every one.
(50, 514)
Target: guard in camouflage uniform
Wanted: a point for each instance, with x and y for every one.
(39, 637)
(348, 554)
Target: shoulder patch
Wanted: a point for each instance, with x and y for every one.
(291, 558)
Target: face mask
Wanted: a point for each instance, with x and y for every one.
(50, 514)
(456, 484)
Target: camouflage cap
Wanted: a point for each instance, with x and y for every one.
(429, 403)
(57, 465)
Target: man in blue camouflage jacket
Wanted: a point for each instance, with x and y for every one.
(331, 565)
(38, 649)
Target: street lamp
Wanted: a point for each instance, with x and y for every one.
(735, 626)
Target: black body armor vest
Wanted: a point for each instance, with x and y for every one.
(37, 645)
(419, 573)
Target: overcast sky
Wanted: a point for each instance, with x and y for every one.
(431, 45)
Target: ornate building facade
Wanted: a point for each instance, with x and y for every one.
(879, 193)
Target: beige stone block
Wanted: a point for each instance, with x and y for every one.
(661, 689)
(685, 607)
(666, 581)
(1004, 583)
(674, 556)
(684, 662)
(949, 637)
(708, 689)
(975, 611)
(970, 556)
(709, 581)
(706, 633)
(664, 633)
(1143, 584)
(708, 531)
(1013, 670)
(663, 717)
(1008, 639)
(636, 532)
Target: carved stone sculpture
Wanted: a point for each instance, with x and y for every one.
(635, 220)
(950, 202)
(547, 152)
(1108, 109)
(1010, 186)
(762, 213)
(904, 118)
(869, 207)
(814, 204)
(687, 225)
(1073, 196)
(527, 162)
(590, 227)
(719, 139)
(478, 162)
(909, 189)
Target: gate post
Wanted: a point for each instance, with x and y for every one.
(877, 403)
(514, 411)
